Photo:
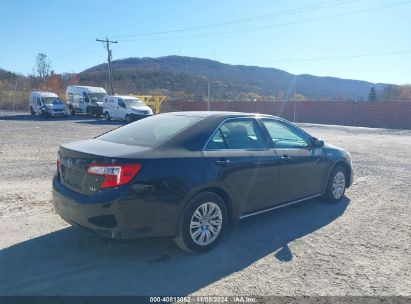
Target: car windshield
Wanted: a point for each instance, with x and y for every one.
(49, 100)
(151, 131)
(133, 102)
(97, 96)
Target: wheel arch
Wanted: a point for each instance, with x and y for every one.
(347, 168)
(225, 196)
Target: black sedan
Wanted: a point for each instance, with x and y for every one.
(189, 174)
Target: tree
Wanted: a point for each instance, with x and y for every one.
(53, 83)
(397, 92)
(73, 79)
(43, 66)
(372, 96)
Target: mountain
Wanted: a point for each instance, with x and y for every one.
(188, 77)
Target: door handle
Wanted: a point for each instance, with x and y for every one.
(223, 162)
(285, 157)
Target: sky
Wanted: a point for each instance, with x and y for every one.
(356, 39)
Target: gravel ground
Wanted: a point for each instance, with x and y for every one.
(357, 247)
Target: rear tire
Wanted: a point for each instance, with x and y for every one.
(202, 223)
(107, 115)
(337, 183)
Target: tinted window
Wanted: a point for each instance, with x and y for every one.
(151, 131)
(121, 103)
(237, 134)
(284, 136)
(85, 97)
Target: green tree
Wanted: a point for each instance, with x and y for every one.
(372, 96)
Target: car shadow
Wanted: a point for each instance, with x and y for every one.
(81, 119)
(28, 117)
(73, 262)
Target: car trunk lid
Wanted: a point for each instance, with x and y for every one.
(75, 159)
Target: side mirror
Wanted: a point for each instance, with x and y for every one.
(317, 142)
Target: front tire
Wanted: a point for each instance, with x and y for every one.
(32, 111)
(107, 115)
(89, 112)
(337, 184)
(202, 223)
(72, 112)
(128, 119)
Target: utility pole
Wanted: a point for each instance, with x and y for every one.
(110, 72)
(208, 96)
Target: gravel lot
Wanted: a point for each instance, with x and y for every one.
(357, 247)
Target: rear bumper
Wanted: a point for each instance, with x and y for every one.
(112, 216)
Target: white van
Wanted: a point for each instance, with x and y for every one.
(47, 104)
(129, 108)
(85, 99)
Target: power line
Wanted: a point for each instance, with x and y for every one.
(275, 25)
(249, 19)
(110, 72)
(73, 51)
(335, 57)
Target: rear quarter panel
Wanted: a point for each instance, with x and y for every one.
(169, 183)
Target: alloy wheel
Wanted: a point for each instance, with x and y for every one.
(206, 223)
(338, 185)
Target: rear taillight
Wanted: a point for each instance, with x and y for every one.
(114, 175)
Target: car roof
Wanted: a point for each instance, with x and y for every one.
(90, 89)
(217, 114)
(45, 94)
(125, 96)
(195, 137)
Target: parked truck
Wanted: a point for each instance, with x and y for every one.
(85, 99)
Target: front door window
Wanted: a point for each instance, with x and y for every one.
(283, 136)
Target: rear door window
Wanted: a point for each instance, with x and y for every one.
(237, 134)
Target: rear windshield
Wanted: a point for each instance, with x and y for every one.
(151, 131)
